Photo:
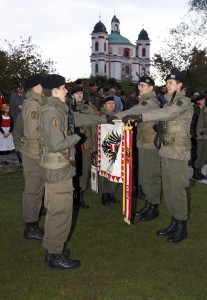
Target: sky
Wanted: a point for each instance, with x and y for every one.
(62, 28)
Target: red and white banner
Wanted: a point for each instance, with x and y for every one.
(127, 174)
(110, 140)
(115, 159)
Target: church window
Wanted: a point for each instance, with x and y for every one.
(126, 52)
(105, 69)
(105, 47)
(126, 70)
(96, 46)
(143, 52)
(96, 70)
(116, 27)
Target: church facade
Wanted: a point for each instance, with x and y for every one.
(114, 56)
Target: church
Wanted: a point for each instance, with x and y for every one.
(114, 56)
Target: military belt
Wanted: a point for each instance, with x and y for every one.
(177, 143)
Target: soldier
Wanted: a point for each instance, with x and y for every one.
(149, 159)
(57, 169)
(94, 98)
(83, 149)
(30, 150)
(174, 152)
(199, 136)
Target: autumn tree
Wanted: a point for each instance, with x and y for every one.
(18, 60)
(185, 50)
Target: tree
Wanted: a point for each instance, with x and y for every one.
(198, 5)
(18, 62)
(186, 51)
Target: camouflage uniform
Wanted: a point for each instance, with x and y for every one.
(57, 171)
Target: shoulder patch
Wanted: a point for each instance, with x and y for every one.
(34, 115)
(144, 103)
(179, 103)
(55, 122)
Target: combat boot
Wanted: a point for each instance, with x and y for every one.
(105, 199)
(60, 261)
(66, 252)
(83, 203)
(201, 174)
(33, 231)
(169, 229)
(196, 174)
(179, 233)
(113, 199)
(143, 210)
(151, 213)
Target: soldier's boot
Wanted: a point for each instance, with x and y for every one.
(143, 210)
(60, 261)
(179, 233)
(105, 199)
(169, 229)
(112, 198)
(33, 231)
(196, 174)
(66, 252)
(201, 174)
(83, 203)
(151, 213)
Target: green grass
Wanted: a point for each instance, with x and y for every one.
(118, 261)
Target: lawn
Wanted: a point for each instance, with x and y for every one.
(118, 261)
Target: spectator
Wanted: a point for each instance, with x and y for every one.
(161, 95)
(132, 100)
(16, 101)
(6, 127)
(119, 105)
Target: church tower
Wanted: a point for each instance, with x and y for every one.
(99, 38)
(143, 53)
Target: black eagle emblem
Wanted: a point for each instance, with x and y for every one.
(110, 146)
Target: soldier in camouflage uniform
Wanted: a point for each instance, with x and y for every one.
(175, 153)
(199, 137)
(149, 159)
(30, 150)
(83, 148)
(58, 169)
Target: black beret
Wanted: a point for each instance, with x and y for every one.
(92, 84)
(147, 79)
(176, 76)
(79, 81)
(76, 89)
(200, 97)
(33, 80)
(109, 98)
(53, 81)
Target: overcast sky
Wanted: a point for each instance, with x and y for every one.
(62, 28)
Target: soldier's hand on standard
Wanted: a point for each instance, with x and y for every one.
(132, 118)
(110, 119)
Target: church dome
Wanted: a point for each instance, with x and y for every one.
(143, 35)
(99, 27)
(115, 19)
(117, 38)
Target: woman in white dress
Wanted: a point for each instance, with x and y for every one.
(6, 126)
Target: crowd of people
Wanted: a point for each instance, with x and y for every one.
(55, 133)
